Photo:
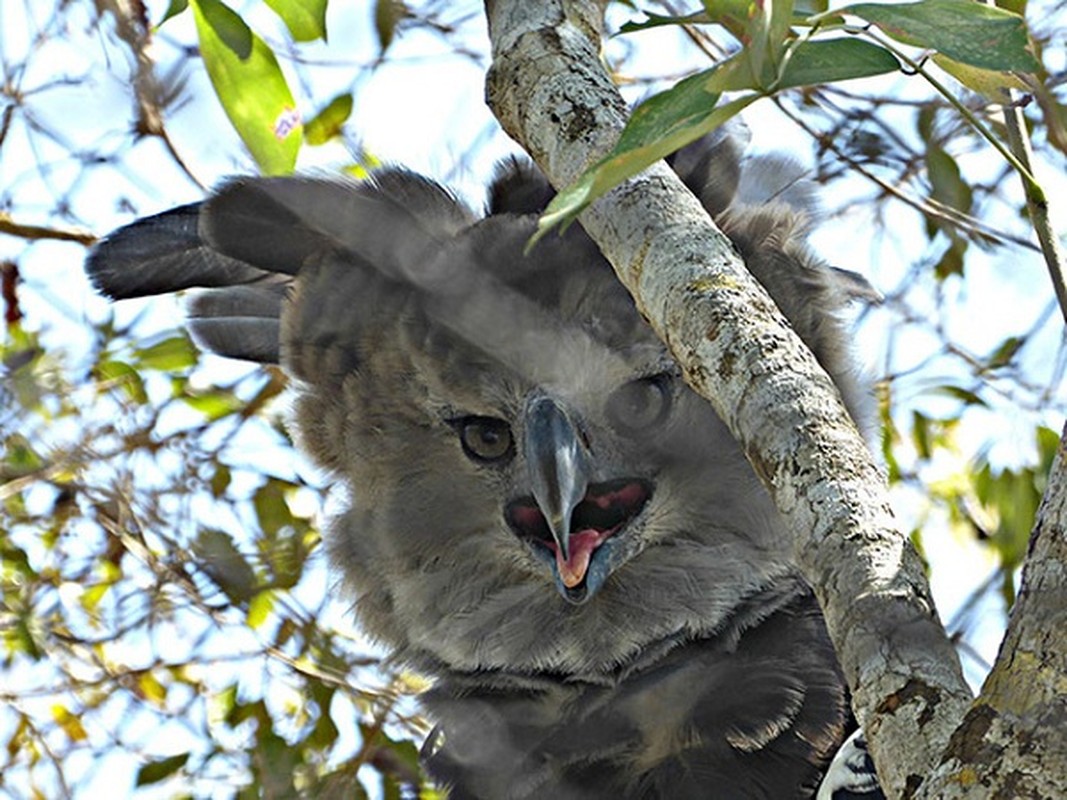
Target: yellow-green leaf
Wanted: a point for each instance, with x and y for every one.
(214, 405)
(250, 85)
(123, 375)
(305, 19)
(69, 722)
(328, 123)
(986, 82)
(173, 353)
(259, 608)
(151, 689)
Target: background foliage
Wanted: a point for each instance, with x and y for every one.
(169, 626)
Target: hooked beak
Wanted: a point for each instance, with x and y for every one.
(558, 465)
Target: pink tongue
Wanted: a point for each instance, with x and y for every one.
(582, 544)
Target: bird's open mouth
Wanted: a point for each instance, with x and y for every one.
(605, 510)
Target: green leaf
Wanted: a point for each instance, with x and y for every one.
(123, 375)
(658, 127)
(259, 608)
(736, 16)
(175, 8)
(986, 82)
(272, 511)
(225, 565)
(966, 31)
(214, 405)
(220, 480)
(1048, 442)
(387, 14)
(920, 434)
(659, 20)
(967, 396)
(173, 353)
(19, 638)
(1003, 355)
(250, 85)
(19, 456)
(833, 60)
(951, 261)
(305, 19)
(946, 183)
(1014, 6)
(69, 722)
(156, 771)
(328, 123)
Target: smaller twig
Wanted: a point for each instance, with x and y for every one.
(1036, 200)
(28, 231)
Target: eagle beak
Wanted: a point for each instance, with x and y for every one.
(558, 465)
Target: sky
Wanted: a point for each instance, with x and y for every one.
(424, 109)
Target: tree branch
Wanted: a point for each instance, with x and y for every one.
(547, 87)
(1013, 741)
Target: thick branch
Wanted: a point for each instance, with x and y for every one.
(551, 94)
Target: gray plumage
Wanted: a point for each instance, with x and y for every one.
(544, 518)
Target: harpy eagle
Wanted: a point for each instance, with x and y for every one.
(544, 518)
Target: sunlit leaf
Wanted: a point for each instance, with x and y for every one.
(149, 687)
(250, 85)
(966, 31)
(259, 609)
(68, 722)
(223, 705)
(91, 597)
(215, 404)
(328, 123)
(986, 82)
(173, 353)
(121, 374)
(305, 19)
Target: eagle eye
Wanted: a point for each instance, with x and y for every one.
(487, 440)
(640, 404)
